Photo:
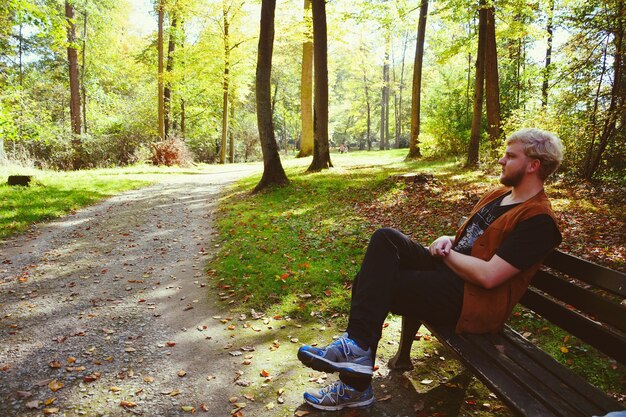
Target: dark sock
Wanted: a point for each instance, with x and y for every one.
(359, 384)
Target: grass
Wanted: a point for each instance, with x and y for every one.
(293, 251)
(52, 194)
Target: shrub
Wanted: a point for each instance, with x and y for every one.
(172, 151)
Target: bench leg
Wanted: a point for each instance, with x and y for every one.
(402, 360)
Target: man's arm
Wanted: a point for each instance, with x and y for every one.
(487, 274)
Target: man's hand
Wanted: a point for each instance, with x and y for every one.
(441, 246)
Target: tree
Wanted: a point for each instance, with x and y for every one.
(321, 151)
(384, 102)
(414, 149)
(306, 85)
(273, 172)
(492, 86)
(72, 59)
(225, 82)
(546, 73)
(169, 67)
(160, 87)
(479, 84)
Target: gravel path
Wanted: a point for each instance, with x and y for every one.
(107, 311)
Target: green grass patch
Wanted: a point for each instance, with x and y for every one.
(52, 194)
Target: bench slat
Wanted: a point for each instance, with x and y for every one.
(517, 398)
(598, 336)
(542, 385)
(599, 307)
(588, 391)
(588, 272)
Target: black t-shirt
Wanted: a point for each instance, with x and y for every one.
(527, 244)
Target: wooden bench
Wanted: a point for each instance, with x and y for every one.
(582, 298)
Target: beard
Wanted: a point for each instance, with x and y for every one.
(512, 179)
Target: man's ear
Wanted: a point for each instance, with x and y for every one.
(533, 166)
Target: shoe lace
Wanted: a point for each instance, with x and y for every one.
(345, 346)
(334, 391)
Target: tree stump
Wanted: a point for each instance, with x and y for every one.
(415, 177)
(23, 180)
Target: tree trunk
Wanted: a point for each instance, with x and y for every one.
(273, 172)
(384, 99)
(182, 118)
(546, 72)
(321, 152)
(169, 67)
(492, 88)
(479, 83)
(416, 91)
(399, 115)
(306, 86)
(225, 84)
(72, 58)
(160, 95)
(82, 73)
(230, 131)
(369, 110)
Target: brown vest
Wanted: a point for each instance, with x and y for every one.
(485, 311)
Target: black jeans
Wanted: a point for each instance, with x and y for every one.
(400, 276)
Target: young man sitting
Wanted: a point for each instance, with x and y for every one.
(471, 280)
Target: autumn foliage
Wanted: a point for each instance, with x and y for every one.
(170, 152)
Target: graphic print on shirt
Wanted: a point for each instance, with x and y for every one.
(479, 223)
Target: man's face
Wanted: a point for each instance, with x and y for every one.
(514, 164)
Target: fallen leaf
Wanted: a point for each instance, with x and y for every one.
(148, 379)
(50, 401)
(426, 381)
(188, 408)
(115, 389)
(301, 413)
(270, 406)
(23, 394)
(182, 373)
(384, 398)
(51, 410)
(128, 404)
(33, 404)
(55, 385)
(54, 364)
(265, 373)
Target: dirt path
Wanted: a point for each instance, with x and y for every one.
(111, 304)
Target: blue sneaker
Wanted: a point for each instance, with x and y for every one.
(342, 355)
(339, 395)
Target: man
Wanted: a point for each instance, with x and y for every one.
(471, 280)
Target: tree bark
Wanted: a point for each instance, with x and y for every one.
(416, 92)
(321, 151)
(72, 58)
(384, 99)
(82, 73)
(160, 88)
(225, 84)
(479, 83)
(546, 71)
(273, 172)
(492, 88)
(169, 67)
(306, 86)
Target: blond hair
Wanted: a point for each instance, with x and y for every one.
(542, 145)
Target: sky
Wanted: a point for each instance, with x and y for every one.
(141, 19)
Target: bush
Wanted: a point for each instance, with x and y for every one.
(172, 151)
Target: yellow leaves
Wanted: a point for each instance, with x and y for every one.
(51, 410)
(188, 408)
(148, 379)
(54, 364)
(182, 373)
(55, 385)
(128, 404)
(564, 349)
(115, 389)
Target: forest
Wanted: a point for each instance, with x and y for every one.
(100, 83)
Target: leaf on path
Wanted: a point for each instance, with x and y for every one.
(51, 410)
(182, 373)
(128, 404)
(426, 381)
(301, 413)
(265, 373)
(384, 398)
(33, 404)
(55, 385)
(91, 378)
(188, 408)
(54, 364)
(24, 394)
